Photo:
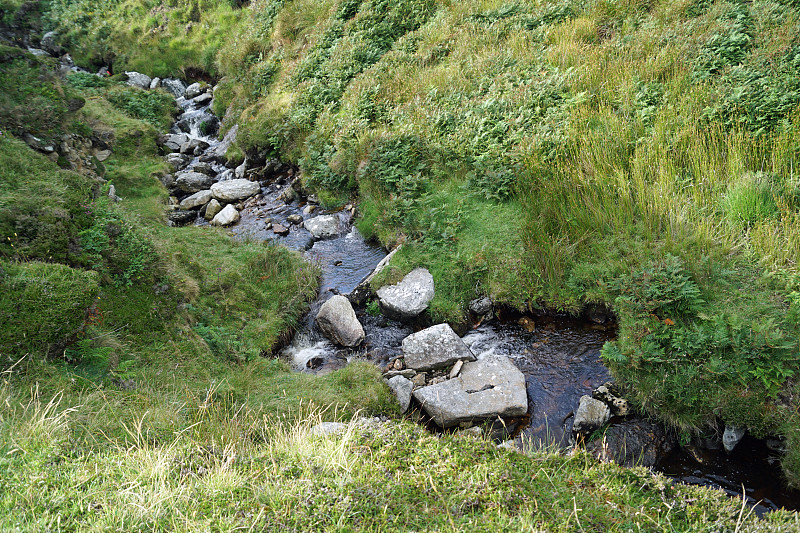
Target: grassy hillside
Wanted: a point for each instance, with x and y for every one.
(634, 155)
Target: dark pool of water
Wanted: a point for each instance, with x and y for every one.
(751, 469)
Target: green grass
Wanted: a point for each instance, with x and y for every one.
(221, 464)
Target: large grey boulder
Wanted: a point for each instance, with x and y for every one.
(591, 415)
(137, 79)
(234, 190)
(198, 199)
(337, 320)
(173, 86)
(408, 298)
(402, 388)
(323, 226)
(212, 209)
(435, 347)
(488, 388)
(229, 215)
(193, 182)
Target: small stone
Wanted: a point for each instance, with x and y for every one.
(402, 389)
(406, 373)
(732, 436)
(229, 215)
(307, 210)
(294, 219)
(398, 364)
(456, 369)
(212, 209)
(102, 155)
(280, 230)
(420, 379)
(527, 323)
(591, 415)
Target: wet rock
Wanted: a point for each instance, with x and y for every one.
(229, 215)
(731, 437)
(193, 182)
(619, 406)
(204, 168)
(212, 209)
(337, 321)
(239, 171)
(294, 219)
(234, 190)
(527, 324)
(203, 99)
(635, 442)
(307, 210)
(219, 151)
(193, 91)
(323, 226)
(481, 307)
(435, 347)
(409, 298)
(363, 290)
(193, 146)
(289, 195)
(180, 218)
(591, 415)
(402, 388)
(488, 388)
(49, 43)
(137, 79)
(173, 86)
(174, 141)
(196, 200)
(279, 229)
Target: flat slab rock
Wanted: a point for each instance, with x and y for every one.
(233, 190)
(487, 388)
(435, 347)
(323, 226)
(410, 297)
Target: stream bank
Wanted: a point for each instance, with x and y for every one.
(559, 356)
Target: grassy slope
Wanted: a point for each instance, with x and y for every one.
(223, 466)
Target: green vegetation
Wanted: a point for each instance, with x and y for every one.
(634, 155)
(220, 465)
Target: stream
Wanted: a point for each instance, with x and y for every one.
(559, 356)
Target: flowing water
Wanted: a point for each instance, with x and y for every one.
(560, 357)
